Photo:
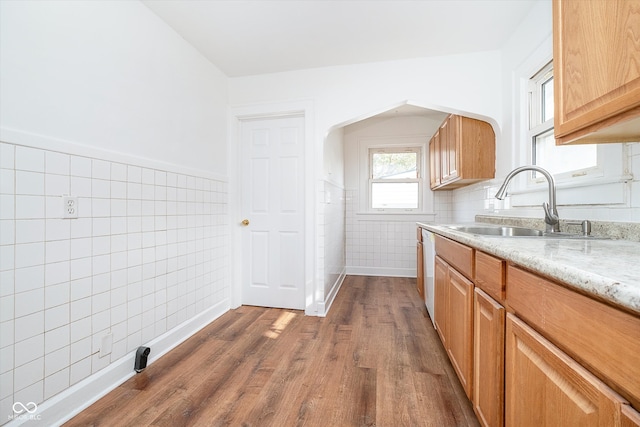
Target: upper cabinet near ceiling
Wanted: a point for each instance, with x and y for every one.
(462, 151)
(596, 54)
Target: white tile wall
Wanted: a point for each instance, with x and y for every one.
(147, 252)
(378, 244)
(334, 235)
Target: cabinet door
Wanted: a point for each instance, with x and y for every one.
(488, 360)
(420, 275)
(545, 387)
(434, 160)
(453, 147)
(630, 417)
(449, 166)
(597, 70)
(460, 328)
(441, 298)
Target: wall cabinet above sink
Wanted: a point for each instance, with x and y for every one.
(462, 152)
(597, 71)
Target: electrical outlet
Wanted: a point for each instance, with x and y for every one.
(69, 207)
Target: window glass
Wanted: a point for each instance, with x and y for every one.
(394, 165)
(394, 195)
(395, 178)
(558, 160)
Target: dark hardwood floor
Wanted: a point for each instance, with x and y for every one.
(375, 360)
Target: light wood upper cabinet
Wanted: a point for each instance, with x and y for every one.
(462, 152)
(596, 55)
(434, 161)
(545, 387)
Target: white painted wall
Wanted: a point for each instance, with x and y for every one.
(109, 75)
(456, 83)
(333, 161)
(103, 100)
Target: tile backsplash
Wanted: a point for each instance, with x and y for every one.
(147, 252)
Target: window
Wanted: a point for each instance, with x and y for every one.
(395, 178)
(563, 161)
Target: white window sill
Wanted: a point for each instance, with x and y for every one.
(390, 216)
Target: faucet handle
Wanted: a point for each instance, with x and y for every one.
(551, 218)
(586, 226)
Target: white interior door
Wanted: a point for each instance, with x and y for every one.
(272, 205)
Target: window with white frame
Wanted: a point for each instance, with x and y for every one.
(564, 162)
(592, 174)
(395, 179)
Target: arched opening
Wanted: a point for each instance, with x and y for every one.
(356, 238)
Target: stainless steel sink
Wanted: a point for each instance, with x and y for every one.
(508, 231)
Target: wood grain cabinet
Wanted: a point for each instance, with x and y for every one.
(420, 264)
(454, 320)
(462, 152)
(441, 298)
(545, 387)
(604, 339)
(531, 352)
(596, 71)
(630, 417)
(434, 161)
(454, 306)
(488, 360)
(460, 328)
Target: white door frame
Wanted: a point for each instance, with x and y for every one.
(263, 111)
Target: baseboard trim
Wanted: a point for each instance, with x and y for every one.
(324, 306)
(381, 271)
(64, 406)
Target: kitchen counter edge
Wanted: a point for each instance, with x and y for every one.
(567, 264)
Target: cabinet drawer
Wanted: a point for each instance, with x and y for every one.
(457, 255)
(490, 275)
(602, 338)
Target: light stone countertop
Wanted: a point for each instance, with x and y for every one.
(606, 269)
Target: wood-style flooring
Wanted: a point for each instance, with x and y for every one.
(375, 360)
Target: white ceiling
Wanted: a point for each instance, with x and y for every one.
(264, 36)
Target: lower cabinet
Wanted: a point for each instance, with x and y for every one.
(488, 368)
(454, 319)
(460, 328)
(441, 298)
(545, 387)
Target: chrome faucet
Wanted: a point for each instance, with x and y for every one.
(551, 218)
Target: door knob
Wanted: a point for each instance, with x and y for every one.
(245, 222)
